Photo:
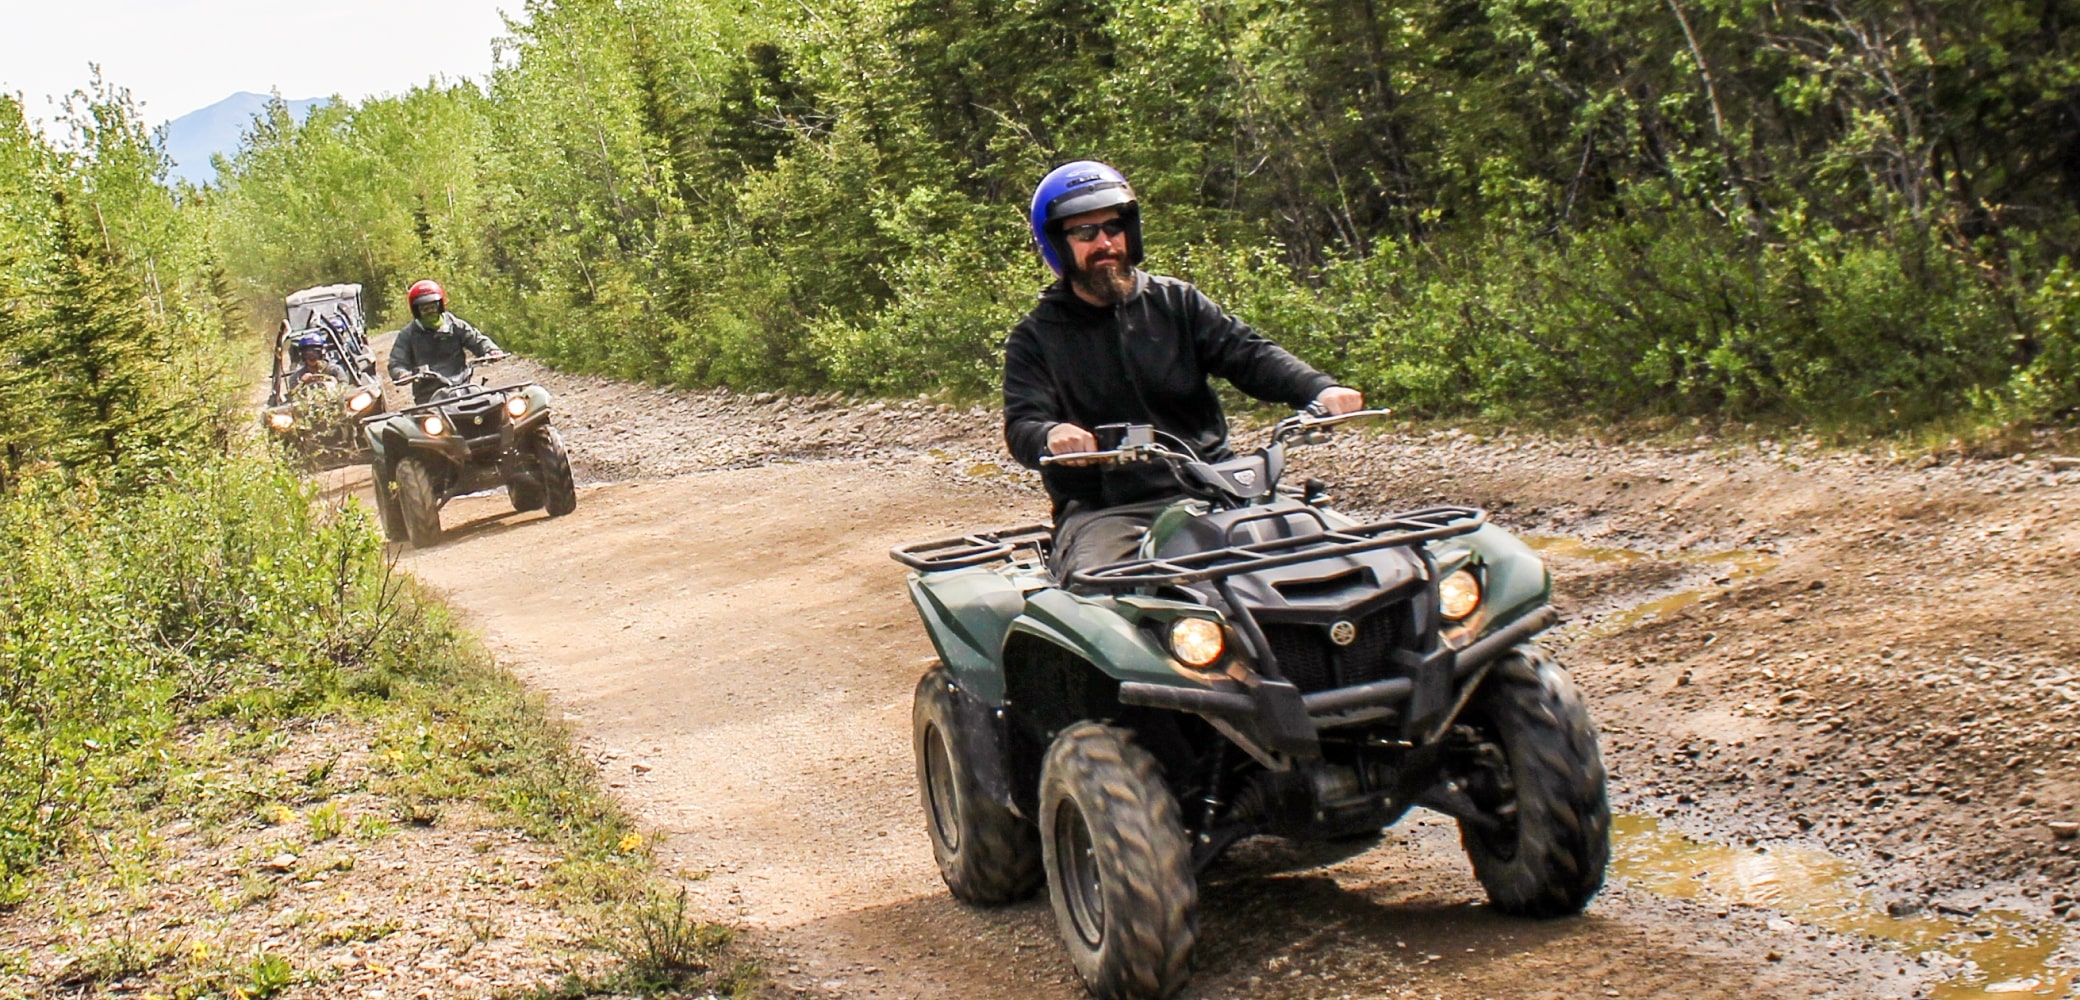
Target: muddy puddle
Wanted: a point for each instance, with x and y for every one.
(1987, 953)
(1984, 953)
(1729, 568)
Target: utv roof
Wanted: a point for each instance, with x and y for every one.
(324, 293)
(307, 304)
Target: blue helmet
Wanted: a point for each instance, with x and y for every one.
(1076, 188)
(310, 340)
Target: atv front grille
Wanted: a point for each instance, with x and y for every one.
(1313, 661)
(476, 416)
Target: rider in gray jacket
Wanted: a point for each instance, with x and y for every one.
(435, 339)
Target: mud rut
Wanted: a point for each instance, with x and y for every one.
(737, 652)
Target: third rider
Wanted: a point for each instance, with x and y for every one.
(1110, 343)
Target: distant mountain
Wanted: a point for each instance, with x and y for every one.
(196, 136)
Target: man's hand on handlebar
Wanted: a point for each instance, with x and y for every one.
(495, 356)
(1338, 400)
(1065, 440)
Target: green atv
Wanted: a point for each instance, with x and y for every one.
(1265, 666)
(467, 437)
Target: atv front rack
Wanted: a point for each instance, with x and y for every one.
(1410, 528)
(435, 404)
(977, 549)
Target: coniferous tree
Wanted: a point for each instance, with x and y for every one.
(99, 352)
(22, 413)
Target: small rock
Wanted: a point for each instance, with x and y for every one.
(280, 863)
(2065, 830)
(2063, 463)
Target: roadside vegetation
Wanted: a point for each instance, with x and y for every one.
(219, 705)
(1853, 216)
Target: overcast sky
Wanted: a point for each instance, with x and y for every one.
(180, 55)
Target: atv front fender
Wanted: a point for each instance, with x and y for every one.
(1094, 629)
(392, 439)
(968, 614)
(1514, 580)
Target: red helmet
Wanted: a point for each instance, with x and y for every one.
(422, 291)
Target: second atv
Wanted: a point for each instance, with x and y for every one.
(468, 437)
(1265, 666)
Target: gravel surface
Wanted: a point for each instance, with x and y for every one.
(1788, 647)
(1839, 694)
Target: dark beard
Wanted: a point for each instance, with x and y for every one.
(1108, 280)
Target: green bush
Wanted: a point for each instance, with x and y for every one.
(220, 589)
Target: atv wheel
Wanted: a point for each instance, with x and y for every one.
(986, 855)
(416, 501)
(1119, 870)
(387, 510)
(1546, 855)
(559, 490)
(526, 493)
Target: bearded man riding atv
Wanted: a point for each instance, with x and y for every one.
(1112, 344)
(435, 339)
(1193, 654)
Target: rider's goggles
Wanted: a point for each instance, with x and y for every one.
(1089, 231)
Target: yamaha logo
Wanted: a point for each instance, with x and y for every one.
(1343, 633)
(1247, 477)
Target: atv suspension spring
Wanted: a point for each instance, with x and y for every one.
(1212, 800)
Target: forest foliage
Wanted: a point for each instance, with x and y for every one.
(173, 593)
(1853, 212)
(151, 573)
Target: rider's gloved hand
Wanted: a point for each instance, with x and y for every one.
(1068, 439)
(1336, 400)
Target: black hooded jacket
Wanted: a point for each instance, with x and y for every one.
(1145, 360)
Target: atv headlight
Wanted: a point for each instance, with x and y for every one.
(516, 405)
(1198, 642)
(281, 420)
(434, 425)
(361, 401)
(1459, 594)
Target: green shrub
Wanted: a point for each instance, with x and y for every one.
(219, 589)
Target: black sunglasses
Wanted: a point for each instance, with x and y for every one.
(1090, 230)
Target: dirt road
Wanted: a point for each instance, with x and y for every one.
(1842, 679)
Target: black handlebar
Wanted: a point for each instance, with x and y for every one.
(1305, 425)
(451, 381)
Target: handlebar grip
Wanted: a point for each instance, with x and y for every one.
(1084, 458)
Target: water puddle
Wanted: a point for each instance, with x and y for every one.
(1733, 566)
(1575, 548)
(1997, 952)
